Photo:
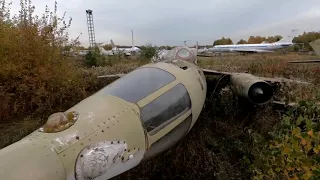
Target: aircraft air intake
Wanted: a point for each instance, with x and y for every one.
(257, 91)
(179, 53)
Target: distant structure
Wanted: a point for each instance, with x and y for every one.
(92, 39)
(316, 46)
(132, 37)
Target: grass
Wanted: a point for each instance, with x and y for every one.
(226, 142)
(273, 65)
(218, 143)
(215, 147)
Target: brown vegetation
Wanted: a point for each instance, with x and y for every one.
(229, 135)
(303, 39)
(229, 141)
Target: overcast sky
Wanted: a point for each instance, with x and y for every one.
(170, 22)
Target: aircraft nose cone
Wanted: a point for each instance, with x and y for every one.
(30, 158)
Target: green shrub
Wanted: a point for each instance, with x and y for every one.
(293, 150)
(35, 77)
(147, 52)
(94, 58)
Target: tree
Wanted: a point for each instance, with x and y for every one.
(222, 41)
(306, 38)
(242, 41)
(256, 39)
(107, 47)
(147, 51)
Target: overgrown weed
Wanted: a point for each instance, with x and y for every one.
(231, 139)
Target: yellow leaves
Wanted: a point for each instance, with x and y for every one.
(308, 147)
(296, 146)
(276, 145)
(290, 168)
(307, 143)
(307, 175)
(285, 150)
(294, 178)
(316, 149)
(294, 160)
(296, 131)
(32, 65)
(303, 142)
(310, 133)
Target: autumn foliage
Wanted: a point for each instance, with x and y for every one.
(34, 75)
(36, 79)
(294, 148)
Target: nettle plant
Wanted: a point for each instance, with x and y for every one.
(294, 149)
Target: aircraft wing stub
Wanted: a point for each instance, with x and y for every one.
(111, 75)
(270, 80)
(284, 80)
(250, 50)
(214, 72)
(305, 61)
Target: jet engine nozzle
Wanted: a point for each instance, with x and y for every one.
(257, 91)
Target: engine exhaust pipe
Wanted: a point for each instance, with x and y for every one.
(258, 92)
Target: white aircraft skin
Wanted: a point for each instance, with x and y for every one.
(126, 51)
(254, 48)
(161, 53)
(83, 52)
(105, 52)
(199, 50)
(316, 46)
(115, 50)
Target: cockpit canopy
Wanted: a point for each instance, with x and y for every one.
(180, 53)
(138, 84)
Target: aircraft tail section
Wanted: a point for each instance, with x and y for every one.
(316, 46)
(288, 38)
(112, 44)
(101, 49)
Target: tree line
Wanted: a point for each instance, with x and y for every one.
(302, 40)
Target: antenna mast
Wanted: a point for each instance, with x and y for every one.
(91, 33)
(132, 37)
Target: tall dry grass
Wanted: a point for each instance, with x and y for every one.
(37, 80)
(275, 66)
(230, 134)
(34, 75)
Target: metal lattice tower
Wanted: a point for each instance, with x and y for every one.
(92, 39)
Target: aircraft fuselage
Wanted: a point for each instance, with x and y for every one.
(249, 47)
(131, 120)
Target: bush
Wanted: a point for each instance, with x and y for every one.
(34, 75)
(293, 151)
(147, 52)
(94, 58)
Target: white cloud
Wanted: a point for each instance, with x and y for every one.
(171, 22)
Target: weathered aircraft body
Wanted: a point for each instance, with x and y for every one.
(316, 46)
(138, 116)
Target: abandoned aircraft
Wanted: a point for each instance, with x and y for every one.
(136, 117)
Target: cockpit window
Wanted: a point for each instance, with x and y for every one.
(165, 109)
(138, 84)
